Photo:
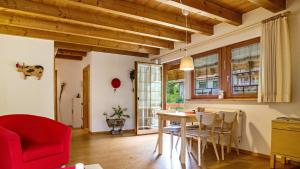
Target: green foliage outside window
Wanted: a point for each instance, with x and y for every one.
(174, 95)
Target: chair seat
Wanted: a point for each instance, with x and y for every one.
(197, 133)
(172, 129)
(192, 127)
(219, 130)
(36, 151)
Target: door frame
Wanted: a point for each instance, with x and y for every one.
(87, 115)
(151, 131)
(166, 67)
(55, 96)
(55, 88)
(136, 96)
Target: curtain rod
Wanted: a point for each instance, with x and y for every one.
(220, 36)
(284, 14)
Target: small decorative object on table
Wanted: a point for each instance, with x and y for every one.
(116, 121)
(79, 166)
(36, 70)
(221, 94)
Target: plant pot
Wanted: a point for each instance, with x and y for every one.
(116, 125)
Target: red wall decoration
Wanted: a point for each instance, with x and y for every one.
(115, 83)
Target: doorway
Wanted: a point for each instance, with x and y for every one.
(68, 88)
(148, 97)
(86, 96)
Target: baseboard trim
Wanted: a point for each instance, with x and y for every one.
(254, 154)
(108, 132)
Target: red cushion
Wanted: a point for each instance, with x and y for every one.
(35, 151)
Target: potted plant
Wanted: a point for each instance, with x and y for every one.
(117, 120)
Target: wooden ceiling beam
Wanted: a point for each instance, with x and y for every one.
(99, 20)
(140, 12)
(10, 19)
(71, 52)
(70, 46)
(208, 9)
(76, 39)
(70, 57)
(271, 5)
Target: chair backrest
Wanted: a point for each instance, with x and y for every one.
(206, 119)
(228, 118)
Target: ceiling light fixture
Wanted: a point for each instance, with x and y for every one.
(186, 62)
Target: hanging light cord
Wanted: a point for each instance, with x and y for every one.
(186, 36)
(185, 13)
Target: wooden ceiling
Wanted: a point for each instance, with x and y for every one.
(70, 54)
(129, 27)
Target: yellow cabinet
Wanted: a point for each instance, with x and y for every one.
(285, 140)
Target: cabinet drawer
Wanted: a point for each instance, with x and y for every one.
(286, 142)
(286, 126)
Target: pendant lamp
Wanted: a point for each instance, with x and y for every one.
(186, 62)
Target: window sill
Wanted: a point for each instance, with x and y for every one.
(226, 100)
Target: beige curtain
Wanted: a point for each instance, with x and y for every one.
(275, 76)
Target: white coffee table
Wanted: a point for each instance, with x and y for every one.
(93, 166)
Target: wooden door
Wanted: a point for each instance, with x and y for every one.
(148, 95)
(86, 96)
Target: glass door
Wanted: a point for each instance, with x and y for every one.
(148, 97)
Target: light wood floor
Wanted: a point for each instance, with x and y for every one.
(137, 152)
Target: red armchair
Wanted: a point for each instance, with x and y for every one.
(33, 142)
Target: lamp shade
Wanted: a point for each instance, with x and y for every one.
(187, 63)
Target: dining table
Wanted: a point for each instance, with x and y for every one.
(184, 117)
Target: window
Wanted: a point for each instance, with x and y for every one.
(206, 78)
(232, 69)
(244, 69)
(174, 86)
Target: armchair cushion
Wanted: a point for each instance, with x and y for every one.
(35, 151)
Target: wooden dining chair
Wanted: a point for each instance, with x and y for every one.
(228, 120)
(205, 131)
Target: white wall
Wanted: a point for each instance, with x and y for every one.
(69, 72)
(104, 67)
(29, 96)
(257, 124)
